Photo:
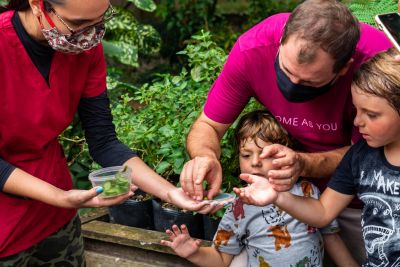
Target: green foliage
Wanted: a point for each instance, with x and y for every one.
(126, 38)
(205, 58)
(146, 5)
(3, 2)
(183, 18)
(77, 154)
(260, 9)
(170, 106)
(365, 10)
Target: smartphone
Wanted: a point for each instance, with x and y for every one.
(389, 23)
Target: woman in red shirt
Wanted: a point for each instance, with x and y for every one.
(52, 65)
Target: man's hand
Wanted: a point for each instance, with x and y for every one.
(183, 245)
(259, 192)
(288, 166)
(89, 198)
(198, 169)
(183, 201)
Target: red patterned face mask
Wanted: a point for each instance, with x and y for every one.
(72, 43)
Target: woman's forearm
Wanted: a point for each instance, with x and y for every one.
(148, 180)
(21, 183)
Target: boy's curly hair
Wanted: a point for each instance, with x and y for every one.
(261, 124)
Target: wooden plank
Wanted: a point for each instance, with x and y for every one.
(128, 236)
(105, 254)
(95, 214)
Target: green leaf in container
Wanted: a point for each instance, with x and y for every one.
(146, 5)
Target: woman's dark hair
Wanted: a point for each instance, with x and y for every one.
(21, 5)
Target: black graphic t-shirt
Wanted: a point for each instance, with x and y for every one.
(366, 172)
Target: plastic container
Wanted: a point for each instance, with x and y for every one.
(114, 180)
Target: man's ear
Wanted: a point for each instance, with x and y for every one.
(346, 67)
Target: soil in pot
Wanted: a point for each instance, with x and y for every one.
(166, 215)
(137, 211)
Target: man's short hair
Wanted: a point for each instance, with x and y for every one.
(325, 24)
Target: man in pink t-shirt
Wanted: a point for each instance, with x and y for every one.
(299, 66)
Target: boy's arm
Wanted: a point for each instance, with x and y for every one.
(338, 251)
(187, 247)
(317, 213)
(210, 257)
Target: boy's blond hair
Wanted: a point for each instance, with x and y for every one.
(261, 124)
(380, 76)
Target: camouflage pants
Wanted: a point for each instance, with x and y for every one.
(61, 249)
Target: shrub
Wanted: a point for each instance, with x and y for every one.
(170, 106)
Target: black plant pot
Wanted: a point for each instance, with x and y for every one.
(164, 218)
(210, 226)
(133, 213)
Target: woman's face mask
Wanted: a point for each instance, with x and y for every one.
(297, 93)
(75, 43)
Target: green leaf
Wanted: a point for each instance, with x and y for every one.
(146, 5)
(167, 131)
(111, 49)
(196, 74)
(129, 53)
(162, 167)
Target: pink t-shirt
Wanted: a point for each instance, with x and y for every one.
(322, 124)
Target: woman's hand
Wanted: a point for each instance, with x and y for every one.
(76, 198)
(180, 199)
(183, 245)
(259, 192)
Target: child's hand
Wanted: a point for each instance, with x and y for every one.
(259, 192)
(183, 245)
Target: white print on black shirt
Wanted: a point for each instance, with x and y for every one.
(380, 213)
(376, 235)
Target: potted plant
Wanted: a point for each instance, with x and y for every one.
(137, 211)
(166, 215)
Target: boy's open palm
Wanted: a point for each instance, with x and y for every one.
(259, 191)
(183, 245)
